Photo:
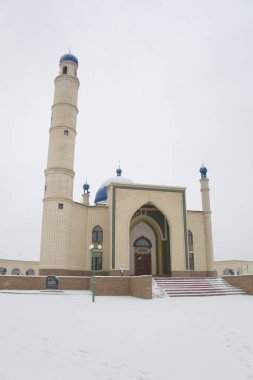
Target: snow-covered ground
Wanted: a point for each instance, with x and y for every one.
(60, 337)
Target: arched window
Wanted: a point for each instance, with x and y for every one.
(97, 235)
(16, 271)
(30, 272)
(3, 271)
(143, 242)
(142, 245)
(64, 70)
(190, 241)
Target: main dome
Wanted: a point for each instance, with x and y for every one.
(101, 196)
(69, 57)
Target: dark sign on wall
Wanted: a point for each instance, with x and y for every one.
(51, 282)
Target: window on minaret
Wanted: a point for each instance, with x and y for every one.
(60, 206)
(97, 235)
(66, 133)
(64, 70)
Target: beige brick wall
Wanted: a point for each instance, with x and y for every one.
(20, 264)
(195, 223)
(241, 266)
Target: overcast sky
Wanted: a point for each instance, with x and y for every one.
(164, 85)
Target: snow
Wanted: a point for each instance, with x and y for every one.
(66, 336)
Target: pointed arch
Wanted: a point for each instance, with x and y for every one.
(157, 221)
(97, 234)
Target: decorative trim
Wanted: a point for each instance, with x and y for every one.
(63, 77)
(69, 172)
(64, 104)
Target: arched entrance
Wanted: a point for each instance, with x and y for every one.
(149, 242)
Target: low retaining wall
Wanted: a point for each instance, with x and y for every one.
(141, 286)
(39, 283)
(136, 286)
(244, 282)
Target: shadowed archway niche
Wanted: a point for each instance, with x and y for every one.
(148, 224)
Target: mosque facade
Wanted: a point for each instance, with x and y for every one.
(136, 229)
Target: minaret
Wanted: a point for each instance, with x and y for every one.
(207, 219)
(86, 194)
(59, 175)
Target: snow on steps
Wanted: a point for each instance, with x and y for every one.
(195, 286)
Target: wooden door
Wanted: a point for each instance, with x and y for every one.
(142, 263)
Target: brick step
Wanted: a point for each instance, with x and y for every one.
(203, 294)
(199, 288)
(189, 287)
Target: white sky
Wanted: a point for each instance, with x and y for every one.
(164, 85)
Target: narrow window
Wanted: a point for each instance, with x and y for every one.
(66, 133)
(97, 262)
(3, 271)
(97, 235)
(190, 241)
(191, 261)
(60, 206)
(65, 70)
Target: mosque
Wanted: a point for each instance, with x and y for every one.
(137, 229)
(140, 229)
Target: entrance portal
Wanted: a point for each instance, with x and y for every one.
(149, 239)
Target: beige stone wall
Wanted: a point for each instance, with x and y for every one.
(83, 220)
(20, 264)
(67, 246)
(56, 232)
(128, 201)
(241, 266)
(195, 223)
(63, 156)
(66, 89)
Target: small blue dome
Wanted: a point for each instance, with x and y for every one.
(118, 172)
(203, 171)
(69, 57)
(86, 188)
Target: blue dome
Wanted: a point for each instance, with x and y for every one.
(101, 196)
(69, 57)
(203, 171)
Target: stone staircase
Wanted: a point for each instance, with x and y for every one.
(196, 286)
